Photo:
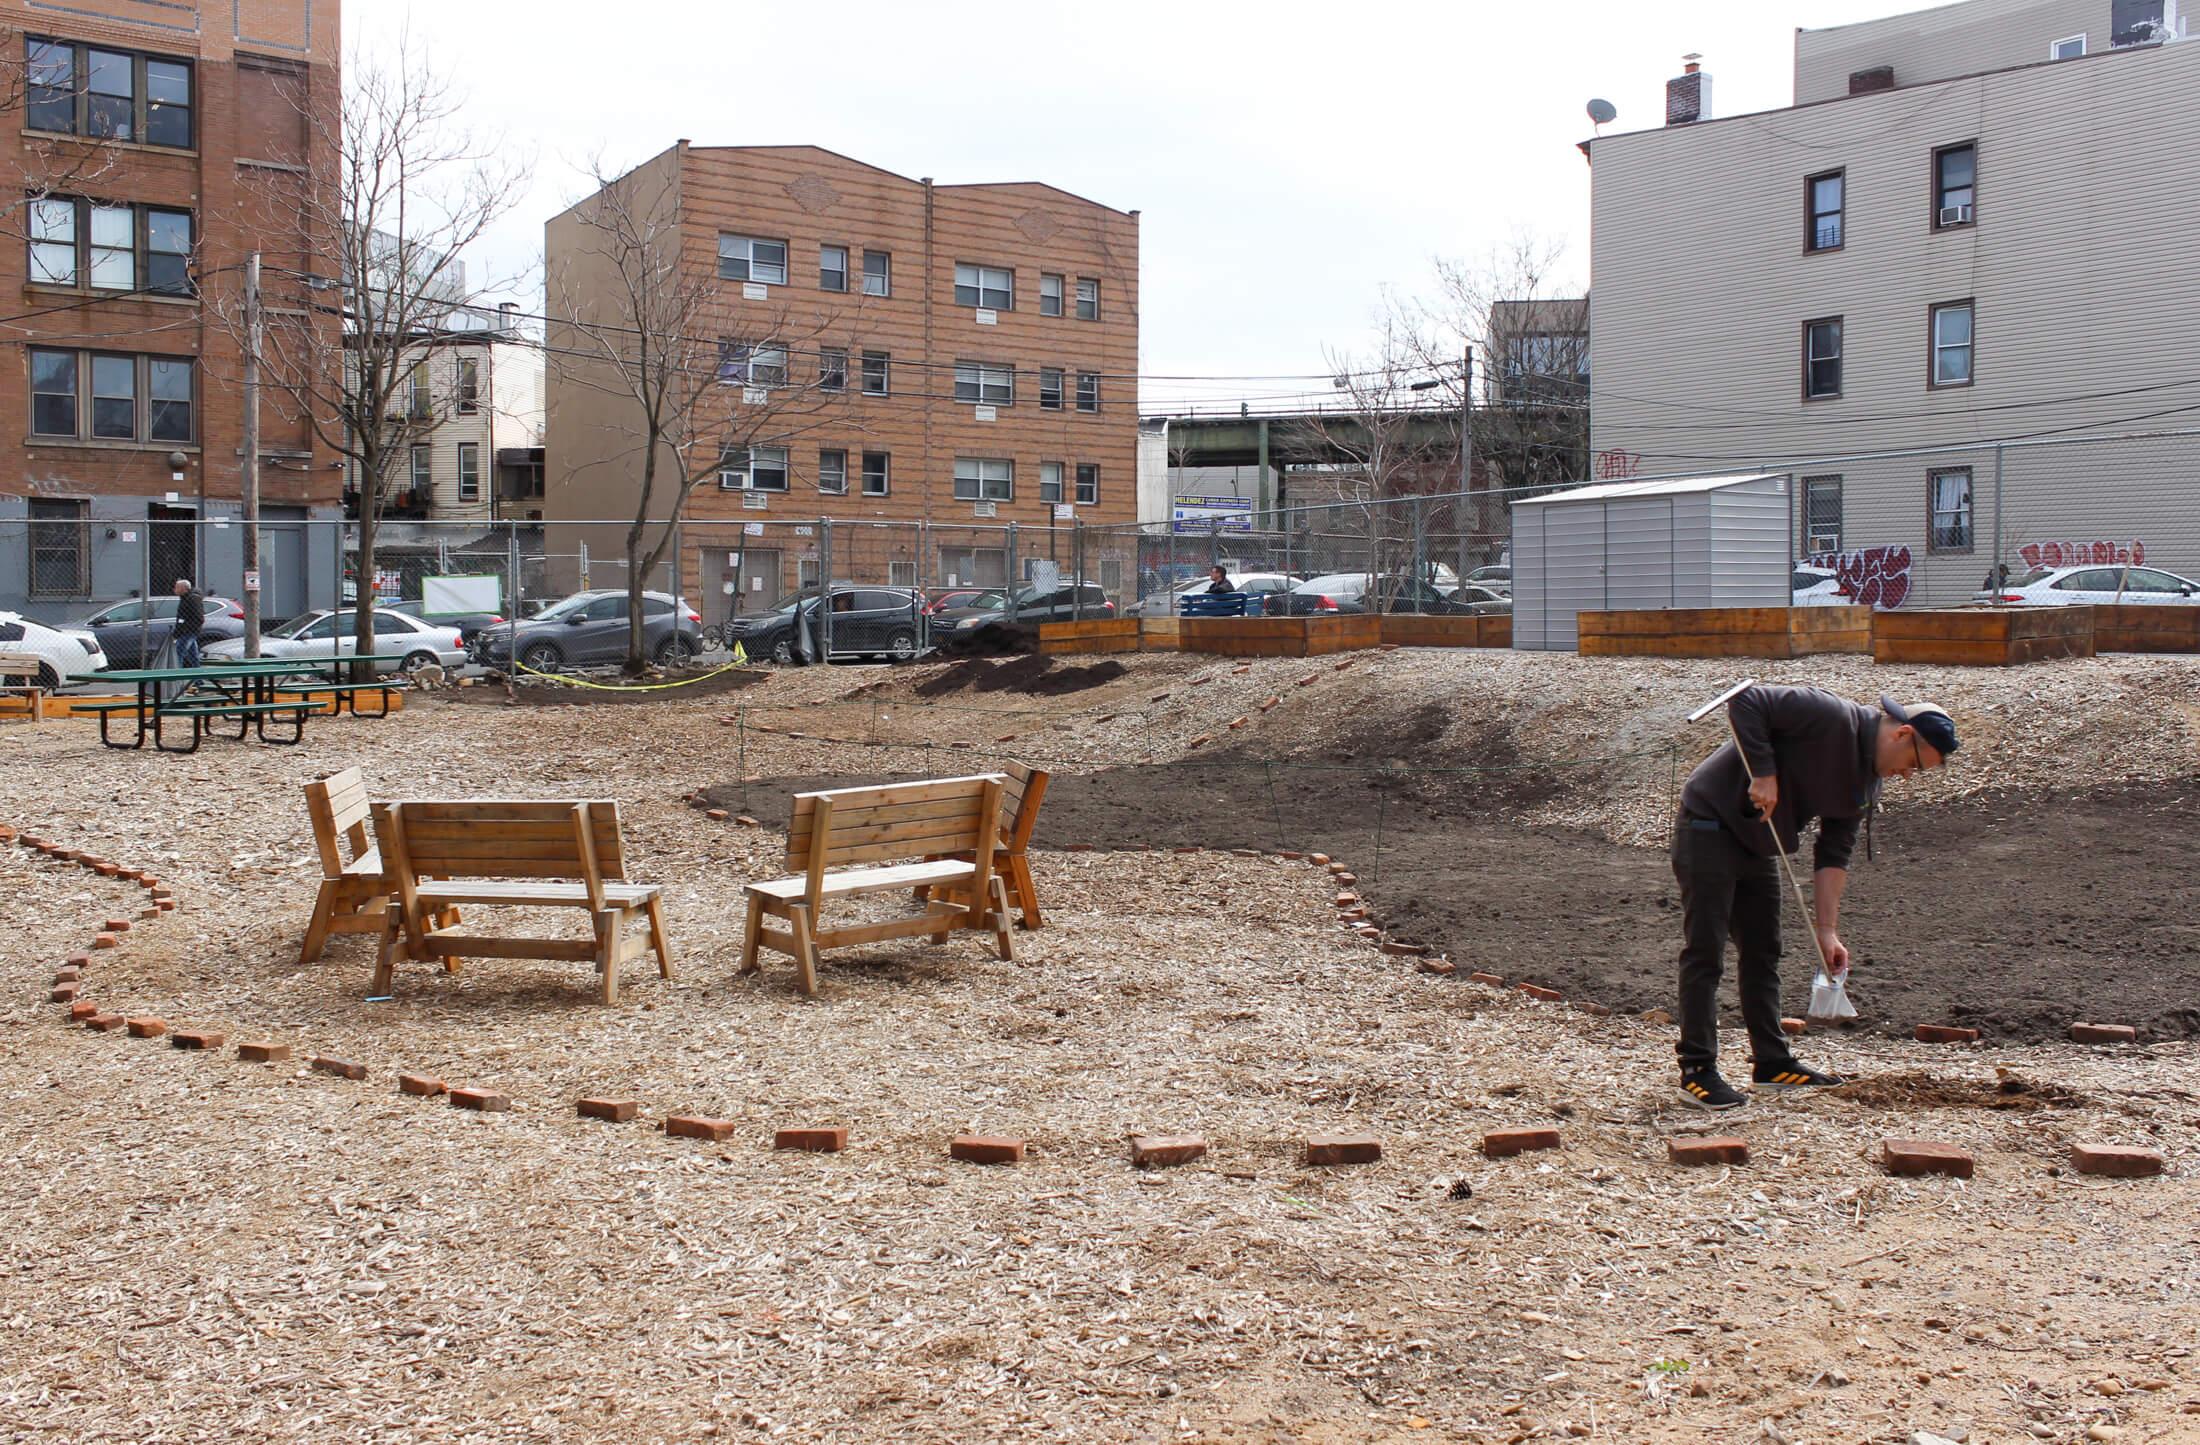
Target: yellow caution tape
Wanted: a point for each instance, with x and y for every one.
(740, 659)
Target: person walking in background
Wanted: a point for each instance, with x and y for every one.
(190, 617)
(1218, 579)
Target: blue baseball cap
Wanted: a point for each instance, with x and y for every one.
(1931, 721)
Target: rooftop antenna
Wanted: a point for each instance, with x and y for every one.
(1602, 113)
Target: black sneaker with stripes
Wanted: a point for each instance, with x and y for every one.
(1704, 1089)
(1788, 1074)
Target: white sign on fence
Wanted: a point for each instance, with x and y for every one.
(1045, 576)
(462, 594)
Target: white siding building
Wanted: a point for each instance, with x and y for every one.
(1977, 224)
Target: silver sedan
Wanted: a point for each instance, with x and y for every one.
(413, 642)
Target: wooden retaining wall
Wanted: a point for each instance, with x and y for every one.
(1726, 632)
(1413, 630)
(1225, 636)
(2133, 627)
(1111, 634)
(1984, 636)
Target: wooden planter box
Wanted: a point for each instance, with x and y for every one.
(1111, 634)
(1984, 636)
(1726, 632)
(1409, 630)
(2131, 627)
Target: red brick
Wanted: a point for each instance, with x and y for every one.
(489, 1101)
(149, 911)
(116, 925)
(1945, 1034)
(1198, 741)
(105, 870)
(1403, 950)
(695, 1126)
(1270, 703)
(263, 1053)
(196, 1039)
(986, 1149)
(1310, 679)
(81, 1010)
(161, 890)
(1338, 867)
(718, 814)
(1163, 1151)
(104, 1023)
(1293, 857)
(1006, 738)
(148, 1028)
(1345, 876)
(1504, 1143)
(1237, 671)
(1247, 852)
(2115, 1161)
(1330, 1149)
(1319, 860)
(78, 958)
(1438, 966)
(2103, 1034)
(1344, 664)
(1548, 995)
(105, 940)
(1721, 1149)
(342, 1068)
(165, 904)
(1593, 1010)
(817, 1141)
(1191, 850)
(1793, 1026)
(1494, 980)
(1921, 1156)
(63, 993)
(420, 1086)
(746, 821)
(1237, 722)
(618, 1111)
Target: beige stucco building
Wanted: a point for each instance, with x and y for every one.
(1976, 225)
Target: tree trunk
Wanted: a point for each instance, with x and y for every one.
(370, 521)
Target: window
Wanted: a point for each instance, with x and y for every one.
(114, 248)
(986, 286)
(423, 468)
(832, 368)
(874, 373)
(58, 553)
(1824, 198)
(832, 268)
(114, 398)
(53, 393)
(753, 469)
(2136, 22)
(1951, 329)
(421, 402)
(168, 384)
(168, 252)
(1088, 298)
(107, 94)
(1050, 388)
(1821, 514)
(984, 479)
(53, 243)
(1955, 185)
(832, 472)
(469, 385)
(1949, 498)
(1088, 485)
(469, 471)
(1050, 295)
(985, 384)
(1821, 358)
(1050, 481)
(1088, 391)
(744, 258)
(768, 365)
(2068, 48)
(875, 474)
(877, 276)
(113, 237)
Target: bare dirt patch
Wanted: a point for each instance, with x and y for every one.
(1029, 674)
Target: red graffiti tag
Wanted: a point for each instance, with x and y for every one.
(1876, 576)
(2082, 554)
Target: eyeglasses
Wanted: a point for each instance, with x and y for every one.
(1917, 752)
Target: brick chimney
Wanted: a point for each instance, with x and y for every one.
(1688, 95)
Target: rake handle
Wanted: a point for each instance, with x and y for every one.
(1810, 922)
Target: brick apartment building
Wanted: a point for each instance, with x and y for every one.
(968, 356)
(154, 146)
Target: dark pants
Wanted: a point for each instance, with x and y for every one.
(1727, 892)
(187, 649)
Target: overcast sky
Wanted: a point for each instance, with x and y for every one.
(1291, 160)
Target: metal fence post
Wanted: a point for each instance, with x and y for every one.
(1077, 563)
(1997, 520)
(1014, 576)
(825, 589)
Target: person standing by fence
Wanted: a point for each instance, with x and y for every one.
(190, 617)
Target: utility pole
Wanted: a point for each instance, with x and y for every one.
(252, 456)
(1466, 456)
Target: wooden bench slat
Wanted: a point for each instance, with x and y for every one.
(872, 880)
(893, 793)
(846, 815)
(917, 833)
(546, 895)
(459, 945)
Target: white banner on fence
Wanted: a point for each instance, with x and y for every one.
(462, 594)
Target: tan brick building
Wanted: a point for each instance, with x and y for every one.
(154, 145)
(966, 355)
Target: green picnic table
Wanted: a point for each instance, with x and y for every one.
(243, 690)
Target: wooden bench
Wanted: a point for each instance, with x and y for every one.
(19, 672)
(569, 854)
(354, 895)
(927, 822)
(1020, 798)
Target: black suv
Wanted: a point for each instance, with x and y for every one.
(1027, 606)
(867, 621)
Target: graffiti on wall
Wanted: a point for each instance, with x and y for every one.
(2082, 554)
(1875, 576)
(1616, 466)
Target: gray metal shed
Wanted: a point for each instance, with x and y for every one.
(1684, 542)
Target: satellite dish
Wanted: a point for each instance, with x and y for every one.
(1602, 112)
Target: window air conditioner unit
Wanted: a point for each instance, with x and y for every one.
(1955, 215)
(755, 501)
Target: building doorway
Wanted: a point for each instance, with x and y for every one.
(173, 540)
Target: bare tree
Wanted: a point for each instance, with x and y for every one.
(413, 190)
(691, 383)
(69, 137)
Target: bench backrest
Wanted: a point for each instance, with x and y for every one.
(20, 664)
(573, 840)
(338, 807)
(1020, 797)
(897, 820)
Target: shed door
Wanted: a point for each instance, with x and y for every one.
(1573, 554)
(1528, 579)
(1638, 560)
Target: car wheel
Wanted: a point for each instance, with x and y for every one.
(414, 661)
(901, 646)
(674, 652)
(783, 652)
(542, 657)
(47, 677)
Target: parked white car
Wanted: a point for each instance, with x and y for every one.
(329, 634)
(1817, 586)
(1169, 603)
(63, 657)
(2067, 586)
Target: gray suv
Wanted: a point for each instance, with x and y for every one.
(588, 629)
(1027, 606)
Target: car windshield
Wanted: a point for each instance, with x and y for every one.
(2037, 574)
(989, 601)
(297, 625)
(792, 600)
(566, 608)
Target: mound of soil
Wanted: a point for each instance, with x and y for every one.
(1031, 674)
(607, 690)
(2016, 914)
(1002, 639)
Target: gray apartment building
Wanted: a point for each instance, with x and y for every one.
(1976, 225)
